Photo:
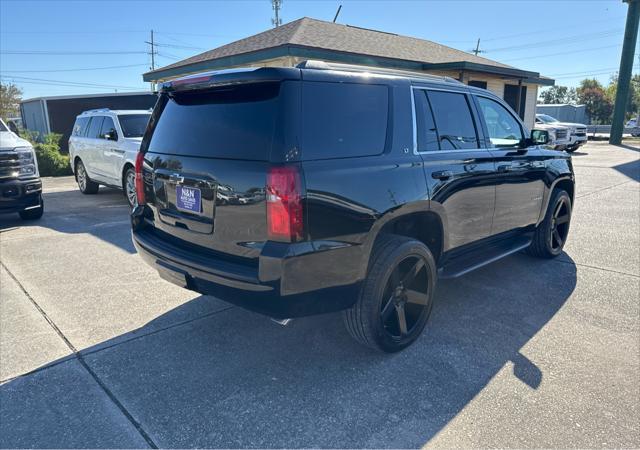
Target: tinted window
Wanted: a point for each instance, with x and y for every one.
(341, 120)
(2, 127)
(107, 127)
(94, 127)
(133, 125)
(80, 127)
(504, 130)
(235, 122)
(453, 120)
(426, 127)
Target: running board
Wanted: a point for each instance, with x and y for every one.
(468, 262)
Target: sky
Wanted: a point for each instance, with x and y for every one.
(78, 47)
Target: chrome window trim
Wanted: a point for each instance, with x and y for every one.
(415, 125)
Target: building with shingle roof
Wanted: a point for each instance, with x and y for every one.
(306, 38)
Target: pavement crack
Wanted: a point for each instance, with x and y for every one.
(83, 363)
(603, 189)
(604, 269)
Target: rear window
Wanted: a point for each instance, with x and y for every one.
(236, 122)
(341, 120)
(133, 125)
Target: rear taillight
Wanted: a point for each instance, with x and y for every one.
(139, 179)
(284, 204)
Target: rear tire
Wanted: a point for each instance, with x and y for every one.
(84, 182)
(551, 235)
(396, 297)
(33, 214)
(129, 187)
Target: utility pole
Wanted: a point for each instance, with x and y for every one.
(477, 49)
(153, 57)
(276, 21)
(626, 67)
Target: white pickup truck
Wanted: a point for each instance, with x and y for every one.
(577, 132)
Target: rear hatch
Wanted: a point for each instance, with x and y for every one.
(209, 149)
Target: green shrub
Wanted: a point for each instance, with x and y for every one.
(51, 162)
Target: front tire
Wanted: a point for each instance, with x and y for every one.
(85, 184)
(34, 213)
(397, 296)
(551, 235)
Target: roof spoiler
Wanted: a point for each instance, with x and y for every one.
(314, 64)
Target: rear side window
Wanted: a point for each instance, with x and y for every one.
(236, 122)
(456, 129)
(80, 127)
(341, 120)
(426, 127)
(94, 127)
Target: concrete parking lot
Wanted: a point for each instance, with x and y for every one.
(97, 351)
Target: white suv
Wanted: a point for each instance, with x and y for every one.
(103, 147)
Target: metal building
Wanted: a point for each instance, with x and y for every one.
(57, 114)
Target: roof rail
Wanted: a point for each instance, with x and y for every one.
(95, 110)
(323, 65)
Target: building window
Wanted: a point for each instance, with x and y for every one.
(477, 83)
(511, 97)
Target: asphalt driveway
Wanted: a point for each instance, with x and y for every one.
(97, 351)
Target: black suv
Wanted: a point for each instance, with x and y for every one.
(325, 187)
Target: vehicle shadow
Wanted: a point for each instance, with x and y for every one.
(104, 215)
(234, 379)
(630, 169)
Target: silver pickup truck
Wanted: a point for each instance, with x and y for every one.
(576, 132)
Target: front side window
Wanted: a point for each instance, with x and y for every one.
(108, 127)
(95, 127)
(504, 130)
(133, 125)
(454, 121)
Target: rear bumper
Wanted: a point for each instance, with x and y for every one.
(288, 280)
(18, 195)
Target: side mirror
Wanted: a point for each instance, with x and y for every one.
(13, 127)
(111, 135)
(540, 137)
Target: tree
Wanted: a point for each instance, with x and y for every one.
(558, 94)
(599, 107)
(633, 102)
(10, 97)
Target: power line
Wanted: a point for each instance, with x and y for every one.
(559, 41)
(562, 53)
(62, 82)
(181, 47)
(73, 70)
(55, 52)
(537, 32)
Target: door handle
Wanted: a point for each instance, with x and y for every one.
(442, 174)
(504, 168)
